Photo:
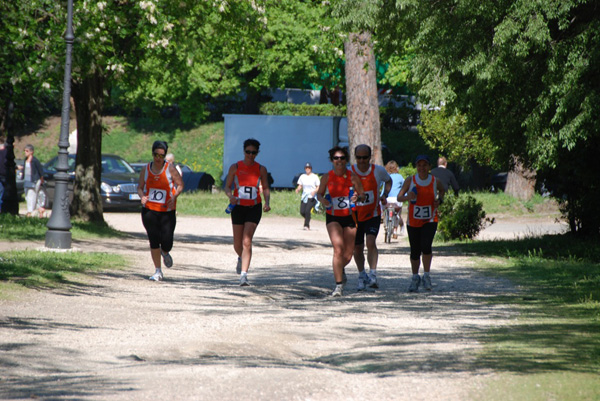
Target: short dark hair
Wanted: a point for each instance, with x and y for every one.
(160, 145)
(362, 146)
(252, 142)
(336, 149)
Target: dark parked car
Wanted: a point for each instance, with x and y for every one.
(118, 187)
(192, 180)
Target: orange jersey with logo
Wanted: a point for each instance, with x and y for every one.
(247, 180)
(370, 207)
(422, 211)
(339, 190)
(159, 189)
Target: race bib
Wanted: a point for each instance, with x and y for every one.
(340, 203)
(157, 195)
(369, 199)
(422, 212)
(248, 193)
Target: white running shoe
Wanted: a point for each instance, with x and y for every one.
(338, 291)
(414, 284)
(244, 280)
(362, 282)
(238, 267)
(157, 276)
(167, 259)
(373, 281)
(427, 282)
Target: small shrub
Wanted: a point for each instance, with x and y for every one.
(461, 217)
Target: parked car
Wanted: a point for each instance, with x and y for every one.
(192, 180)
(118, 187)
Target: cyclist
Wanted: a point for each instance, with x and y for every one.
(397, 180)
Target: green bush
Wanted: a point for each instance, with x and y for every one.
(290, 109)
(461, 217)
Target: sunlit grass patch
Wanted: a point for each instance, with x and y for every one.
(39, 269)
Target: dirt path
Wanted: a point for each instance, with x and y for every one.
(199, 336)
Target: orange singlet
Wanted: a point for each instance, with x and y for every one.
(339, 190)
(422, 211)
(159, 189)
(370, 207)
(247, 180)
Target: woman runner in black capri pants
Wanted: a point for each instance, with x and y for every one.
(425, 194)
(159, 186)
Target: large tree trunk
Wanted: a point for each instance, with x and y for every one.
(520, 181)
(88, 97)
(361, 95)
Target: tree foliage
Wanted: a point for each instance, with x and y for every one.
(525, 74)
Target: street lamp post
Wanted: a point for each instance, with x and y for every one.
(58, 235)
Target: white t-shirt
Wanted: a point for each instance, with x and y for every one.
(309, 183)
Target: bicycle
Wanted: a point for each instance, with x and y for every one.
(390, 221)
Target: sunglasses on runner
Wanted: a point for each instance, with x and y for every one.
(363, 157)
(251, 152)
(339, 157)
(158, 155)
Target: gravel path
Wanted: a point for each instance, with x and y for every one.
(199, 336)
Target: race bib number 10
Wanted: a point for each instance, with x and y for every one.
(422, 212)
(157, 195)
(248, 193)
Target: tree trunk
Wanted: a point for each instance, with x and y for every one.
(361, 95)
(88, 96)
(520, 182)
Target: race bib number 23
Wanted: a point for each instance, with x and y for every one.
(423, 212)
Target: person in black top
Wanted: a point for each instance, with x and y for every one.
(445, 176)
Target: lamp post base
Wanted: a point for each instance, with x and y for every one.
(58, 239)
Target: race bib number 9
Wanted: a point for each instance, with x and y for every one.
(340, 203)
(157, 195)
(422, 212)
(248, 193)
(369, 199)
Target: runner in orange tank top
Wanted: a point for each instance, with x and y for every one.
(425, 194)
(158, 188)
(339, 220)
(373, 177)
(243, 186)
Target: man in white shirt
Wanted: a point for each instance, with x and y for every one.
(308, 183)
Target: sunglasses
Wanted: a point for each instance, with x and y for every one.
(158, 155)
(339, 157)
(363, 157)
(251, 152)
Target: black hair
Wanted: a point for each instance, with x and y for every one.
(160, 145)
(336, 149)
(252, 142)
(358, 147)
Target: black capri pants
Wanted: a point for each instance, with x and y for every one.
(420, 239)
(160, 227)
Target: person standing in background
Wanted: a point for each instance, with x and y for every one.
(445, 176)
(3, 152)
(33, 178)
(308, 183)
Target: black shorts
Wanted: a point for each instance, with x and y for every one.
(344, 221)
(368, 227)
(246, 214)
